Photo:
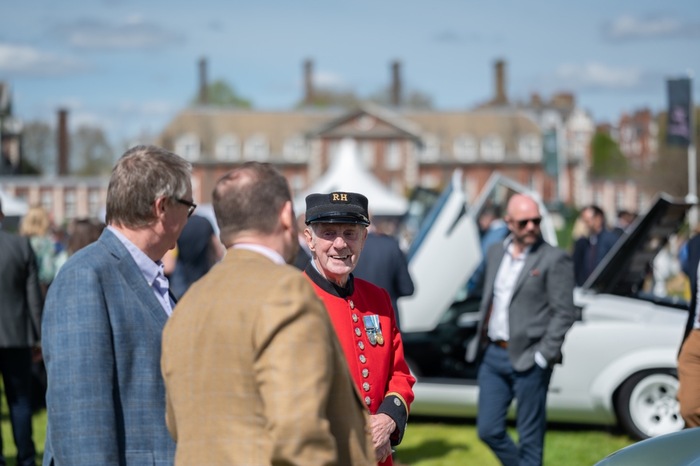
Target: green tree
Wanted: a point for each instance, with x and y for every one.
(222, 94)
(608, 160)
(327, 98)
(413, 99)
(39, 146)
(91, 153)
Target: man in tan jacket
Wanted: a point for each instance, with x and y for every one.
(254, 373)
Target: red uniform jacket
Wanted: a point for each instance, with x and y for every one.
(379, 370)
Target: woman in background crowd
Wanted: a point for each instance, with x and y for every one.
(36, 225)
(81, 232)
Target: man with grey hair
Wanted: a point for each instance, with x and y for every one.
(103, 319)
(20, 319)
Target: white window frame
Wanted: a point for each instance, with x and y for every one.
(492, 148)
(188, 147)
(295, 149)
(530, 148)
(367, 151)
(465, 148)
(256, 148)
(392, 157)
(228, 148)
(431, 148)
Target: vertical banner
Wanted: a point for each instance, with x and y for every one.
(679, 108)
(550, 156)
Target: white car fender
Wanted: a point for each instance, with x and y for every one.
(610, 378)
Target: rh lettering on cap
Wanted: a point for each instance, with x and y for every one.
(339, 197)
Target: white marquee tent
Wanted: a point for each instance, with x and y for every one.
(11, 206)
(346, 173)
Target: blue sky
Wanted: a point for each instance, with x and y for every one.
(130, 66)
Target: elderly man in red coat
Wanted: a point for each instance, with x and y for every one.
(361, 313)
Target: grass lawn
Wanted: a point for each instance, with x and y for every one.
(451, 442)
(39, 426)
(437, 442)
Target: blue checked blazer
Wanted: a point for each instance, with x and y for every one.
(102, 330)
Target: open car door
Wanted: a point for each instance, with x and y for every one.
(446, 249)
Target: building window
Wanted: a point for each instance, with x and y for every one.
(619, 199)
(228, 148)
(530, 148)
(94, 203)
(431, 149)
(188, 147)
(296, 183)
(580, 143)
(295, 149)
(256, 148)
(465, 148)
(69, 200)
(47, 200)
(492, 149)
(367, 153)
(598, 197)
(392, 157)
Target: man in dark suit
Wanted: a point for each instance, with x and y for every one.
(689, 356)
(589, 253)
(197, 251)
(383, 263)
(20, 322)
(104, 315)
(526, 309)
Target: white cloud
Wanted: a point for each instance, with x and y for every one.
(597, 76)
(326, 79)
(132, 33)
(24, 60)
(151, 108)
(628, 27)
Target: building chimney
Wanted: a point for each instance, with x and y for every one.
(500, 97)
(62, 136)
(309, 82)
(203, 84)
(396, 83)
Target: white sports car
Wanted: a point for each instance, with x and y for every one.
(619, 357)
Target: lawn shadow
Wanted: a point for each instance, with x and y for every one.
(13, 460)
(430, 449)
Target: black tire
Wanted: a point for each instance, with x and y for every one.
(646, 404)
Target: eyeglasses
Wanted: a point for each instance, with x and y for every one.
(523, 223)
(190, 206)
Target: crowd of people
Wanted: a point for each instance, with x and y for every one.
(169, 340)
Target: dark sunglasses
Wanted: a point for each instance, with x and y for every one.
(523, 223)
(190, 206)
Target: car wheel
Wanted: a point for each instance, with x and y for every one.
(647, 405)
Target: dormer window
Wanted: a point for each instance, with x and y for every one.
(228, 148)
(465, 148)
(256, 148)
(431, 149)
(530, 148)
(295, 149)
(188, 147)
(492, 149)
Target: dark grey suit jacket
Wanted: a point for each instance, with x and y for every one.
(20, 296)
(541, 309)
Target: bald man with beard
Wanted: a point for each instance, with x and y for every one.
(526, 309)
